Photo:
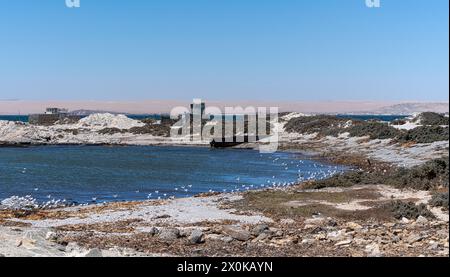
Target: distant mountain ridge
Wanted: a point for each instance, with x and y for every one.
(411, 108)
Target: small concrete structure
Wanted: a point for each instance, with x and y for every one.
(51, 116)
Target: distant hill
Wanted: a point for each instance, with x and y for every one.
(89, 112)
(411, 108)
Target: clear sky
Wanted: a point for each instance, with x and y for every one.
(224, 49)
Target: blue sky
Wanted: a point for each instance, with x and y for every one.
(224, 49)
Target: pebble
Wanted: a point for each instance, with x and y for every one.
(287, 221)
(344, 242)
(405, 220)
(353, 226)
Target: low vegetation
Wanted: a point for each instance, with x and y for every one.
(432, 119)
(432, 128)
(321, 124)
(431, 175)
(375, 130)
(409, 210)
(424, 134)
(440, 199)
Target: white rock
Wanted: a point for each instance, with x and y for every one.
(344, 242)
(421, 220)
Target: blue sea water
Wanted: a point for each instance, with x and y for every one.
(81, 173)
(22, 118)
(387, 118)
(365, 117)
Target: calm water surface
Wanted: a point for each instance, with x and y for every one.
(80, 174)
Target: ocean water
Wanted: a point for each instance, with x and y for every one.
(387, 118)
(22, 118)
(82, 174)
(365, 117)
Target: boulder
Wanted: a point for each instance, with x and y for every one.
(93, 253)
(152, 231)
(259, 229)
(373, 250)
(236, 233)
(197, 237)
(169, 234)
(421, 220)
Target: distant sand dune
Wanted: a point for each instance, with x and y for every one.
(164, 106)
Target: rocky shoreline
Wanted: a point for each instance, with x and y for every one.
(220, 225)
(367, 217)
